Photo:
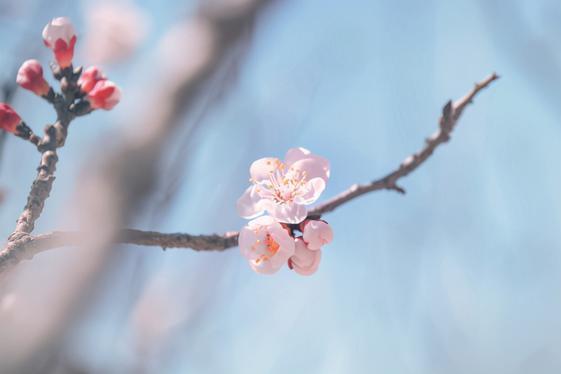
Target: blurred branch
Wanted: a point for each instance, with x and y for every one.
(117, 182)
(451, 113)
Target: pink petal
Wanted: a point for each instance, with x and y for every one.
(247, 240)
(262, 168)
(58, 28)
(317, 233)
(262, 221)
(249, 204)
(314, 189)
(305, 261)
(296, 154)
(288, 213)
(286, 246)
(313, 166)
(264, 267)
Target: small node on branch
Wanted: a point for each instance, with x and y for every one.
(397, 188)
(81, 108)
(56, 70)
(23, 131)
(446, 119)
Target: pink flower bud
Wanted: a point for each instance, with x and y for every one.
(30, 77)
(304, 261)
(59, 36)
(89, 78)
(104, 95)
(9, 119)
(317, 233)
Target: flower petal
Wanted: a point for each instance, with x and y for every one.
(313, 166)
(317, 233)
(262, 168)
(286, 246)
(248, 240)
(58, 28)
(314, 189)
(262, 221)
(296, 154)
(305, 261)
(249, 204)
(264, 267)
(288, 212)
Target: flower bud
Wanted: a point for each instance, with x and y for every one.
(9, 119)
(30, 77)
(305, 261)
(317, 233)
(59, 35)
(104, 95)
(89, 78)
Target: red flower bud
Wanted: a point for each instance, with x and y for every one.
(59, 35)
(9, 119)
(104, 95)
(89, 78)
(30, 77)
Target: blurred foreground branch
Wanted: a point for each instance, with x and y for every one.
(451, 113)
(116, 182)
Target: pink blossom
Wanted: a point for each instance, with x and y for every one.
(266, 244)
(317, 233)
(9, 119)
(305, 261)
(59, 35)
(104, 95)
(30, 77)
(283, 189)
(89, 78)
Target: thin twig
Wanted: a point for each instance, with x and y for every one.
(29, 246)
(450, 115)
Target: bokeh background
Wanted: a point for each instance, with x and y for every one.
(460, 275)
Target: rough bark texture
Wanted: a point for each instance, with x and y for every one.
(53, 138)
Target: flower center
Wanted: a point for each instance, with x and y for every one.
(283, 184)
(271, 248)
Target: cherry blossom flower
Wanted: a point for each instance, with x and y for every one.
(59, 35)
(305, 261)
(266, 244)
(317, 233)
(89, 78)
(283, 189)
(30, 77)
(104, 95)
(9, 119)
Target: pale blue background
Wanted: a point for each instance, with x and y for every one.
(461, 275)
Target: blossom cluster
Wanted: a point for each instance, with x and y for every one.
(93, 90)
(286, 235)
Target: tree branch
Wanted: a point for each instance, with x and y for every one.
(29, 246)
(450, 115)
(55, 136)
